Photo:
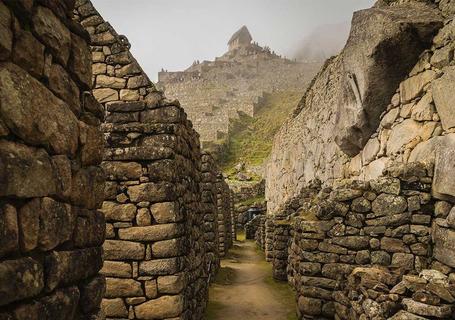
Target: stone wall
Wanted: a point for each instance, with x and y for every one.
(51, 182)
(408, 125)
(260, 233)
(351, 247)
(210, 209)
(225, 215)
(156, 260)
(281, 242)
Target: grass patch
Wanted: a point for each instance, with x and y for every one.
(251, 201)
(250, 140)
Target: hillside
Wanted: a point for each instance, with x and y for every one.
(251, 138)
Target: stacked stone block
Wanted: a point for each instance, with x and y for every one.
(377, 293)
(155, 253)
(388, 224)
(224, 216)
(269, 231)
(260, 233)
(281, 240)
(210, 210)
(233, 218)
(51, 183)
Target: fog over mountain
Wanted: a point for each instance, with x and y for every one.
(178, 32)
(324, 42)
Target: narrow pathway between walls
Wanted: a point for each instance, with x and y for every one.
(245, 290)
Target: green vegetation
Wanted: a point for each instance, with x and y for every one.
(251, 139)
(251, 201)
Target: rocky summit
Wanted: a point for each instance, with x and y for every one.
(330, 198)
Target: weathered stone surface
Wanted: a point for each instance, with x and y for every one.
(171, 284)
(123, 250)
(154, 192)
(163, 307)
(412, 87)
(20, 279)
(166, 212)
(444, 240)
(6, 34)
(123, 288)
(66, 267)
(422, 309)
(25, 172)
(393, 245)
(92, 292)
(105, 95)
(117, 269)
(64, 87)
(116, 170)
(118, 212)
(114, 308)
(53, 33)
(404, 315)
(34, 114)
(443, 184)
(353, 242)
(168, 248)
(92, 141)
(87, 188)
(386, 185)
(151, 233)
(57, 222)
(403, 134)
(61, 304)
(310, 306)
(103, 81)
(387, 204)
(159, 267)
(443, 99)
(9, 232)
(29, 53)
(81, 63)
(369, 83)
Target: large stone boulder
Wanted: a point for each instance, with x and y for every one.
(384, 44)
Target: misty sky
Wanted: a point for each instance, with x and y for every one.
(171, 34)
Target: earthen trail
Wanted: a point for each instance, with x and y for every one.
(248, 292)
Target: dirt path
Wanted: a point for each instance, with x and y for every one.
(244, 289)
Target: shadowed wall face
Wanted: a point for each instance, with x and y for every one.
(50, 180)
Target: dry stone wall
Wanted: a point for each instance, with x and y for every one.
(414, 122)
(225, 216)
(156, 261)
(210, 209)
(372, 250)
(51, 184)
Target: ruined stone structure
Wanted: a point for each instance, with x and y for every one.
(401, 125)
(156, 254)
(225, 216)
(216, 91)
(366, 210)
(50, 180)
(241, 39)
(210, 209)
